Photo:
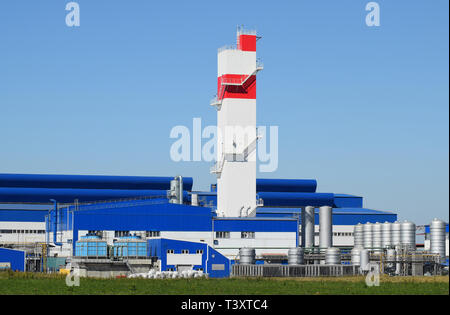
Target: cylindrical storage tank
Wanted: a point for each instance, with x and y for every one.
(437, 237)
(367, 235)
(376, 237)
(332, 256)
(325, 227)
(408, 234)
(395, 234)
(356, 256)
(309, 227)
(247, 256)
(91, 246)
(391, 255)
(386, 235)
(358, 240)
(364, 260)
(295, 256)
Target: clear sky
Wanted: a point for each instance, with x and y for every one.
(364, 110)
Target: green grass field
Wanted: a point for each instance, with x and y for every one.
(32, 283)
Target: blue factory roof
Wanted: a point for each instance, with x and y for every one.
(90, 182)
(64, 195)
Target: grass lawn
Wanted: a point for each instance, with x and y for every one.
(34, 283)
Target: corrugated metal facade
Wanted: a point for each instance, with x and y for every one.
(15, 258)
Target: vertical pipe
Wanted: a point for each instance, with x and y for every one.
(309, 227)
(302, 231)
(325, 228)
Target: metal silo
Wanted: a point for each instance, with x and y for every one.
(332, 256)
(358, 240)
(395, 233)
(295, 256)
(367, 234)
(325, 227)
(309, 227)
(376, 237)
(246, 256)
(408, 234)
(364, 260)
(437, 237)
(386, 235)
(356, 256)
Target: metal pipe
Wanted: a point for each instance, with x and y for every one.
(55, 224)
(309, 227)
(325, 227)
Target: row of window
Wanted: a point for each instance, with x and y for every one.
(22, 231)
(343, 234)
(147, 233)
(248, 235)
(185, 251)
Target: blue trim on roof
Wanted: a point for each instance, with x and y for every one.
(23, 215)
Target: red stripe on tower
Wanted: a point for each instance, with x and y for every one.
(247, 42)
(246, 90)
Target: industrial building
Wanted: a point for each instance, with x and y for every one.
(121, 225)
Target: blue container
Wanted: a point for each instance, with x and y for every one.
(91, 246)
(130, 246)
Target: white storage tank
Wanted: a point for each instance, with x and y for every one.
(386, 235)
(358, 240)
(396, 234)
(437, 237)
(408, 234)
(376, 237)
(247, 256)
(367, 234)
(295, 256)
(332, 256)
(356, 256)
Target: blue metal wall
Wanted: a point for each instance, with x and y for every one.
(255, 224)
(159, 247)
(15, 257)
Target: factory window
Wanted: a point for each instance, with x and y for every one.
(247, 234)
(170, 251)
(121, 233)
(185, 251)
(152, 233)
(199, 251)
(222, 234)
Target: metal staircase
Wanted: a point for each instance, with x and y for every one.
(217, 100)
(234, 157)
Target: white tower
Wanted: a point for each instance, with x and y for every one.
(236, 127)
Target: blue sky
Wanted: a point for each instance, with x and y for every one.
(363, 110)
